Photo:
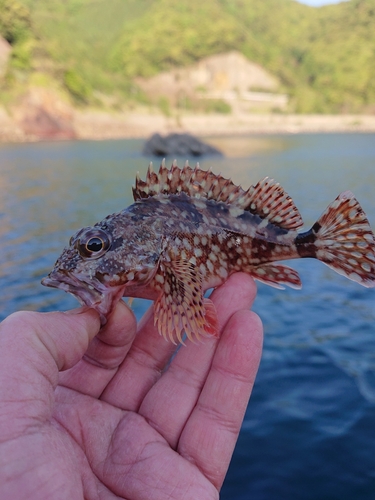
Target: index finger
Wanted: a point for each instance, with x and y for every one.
(104, 355)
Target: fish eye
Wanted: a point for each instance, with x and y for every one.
(93, 243)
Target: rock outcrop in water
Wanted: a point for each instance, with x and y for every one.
(177, 145)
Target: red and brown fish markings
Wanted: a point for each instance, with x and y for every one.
(189, 229)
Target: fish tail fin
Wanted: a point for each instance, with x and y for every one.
(342, 238)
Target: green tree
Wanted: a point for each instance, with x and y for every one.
(15, 22)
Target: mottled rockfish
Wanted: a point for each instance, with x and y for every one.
(189, 229)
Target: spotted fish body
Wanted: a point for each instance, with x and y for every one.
(189, 229)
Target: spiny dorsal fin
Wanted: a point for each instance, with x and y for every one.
(267, 199)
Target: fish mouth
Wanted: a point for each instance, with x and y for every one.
(89, 292)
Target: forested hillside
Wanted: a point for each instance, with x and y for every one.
(324, 58)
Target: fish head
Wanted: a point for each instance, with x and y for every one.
(101, 261)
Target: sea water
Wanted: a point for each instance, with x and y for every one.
(309, 430)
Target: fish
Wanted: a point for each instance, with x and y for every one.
(188, 230)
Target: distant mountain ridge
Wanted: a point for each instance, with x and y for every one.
(324, 57)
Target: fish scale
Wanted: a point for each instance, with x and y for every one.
(189, 230)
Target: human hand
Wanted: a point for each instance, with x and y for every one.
(123, 422)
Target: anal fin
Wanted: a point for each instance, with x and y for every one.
(277, 275)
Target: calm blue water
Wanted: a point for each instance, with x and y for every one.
(309, 431)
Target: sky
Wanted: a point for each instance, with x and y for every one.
(317, 3)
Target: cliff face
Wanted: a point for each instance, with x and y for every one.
(230, 77)
(37, 115)
(41, 114)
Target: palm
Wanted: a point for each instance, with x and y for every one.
(121, 425)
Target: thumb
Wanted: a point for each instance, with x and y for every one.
(33, 348)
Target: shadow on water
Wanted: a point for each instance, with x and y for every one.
(309, 429)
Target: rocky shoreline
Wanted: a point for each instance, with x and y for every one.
(42, 117)
(96, 125)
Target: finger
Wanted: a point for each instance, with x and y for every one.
(104, 354)
(33, 348)
(142, 367)
(238, 292)
(114, 340)
(180, 386)
(209, 437)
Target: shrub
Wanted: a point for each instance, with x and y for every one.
(77, 86)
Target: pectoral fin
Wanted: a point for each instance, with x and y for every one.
(181, 307)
